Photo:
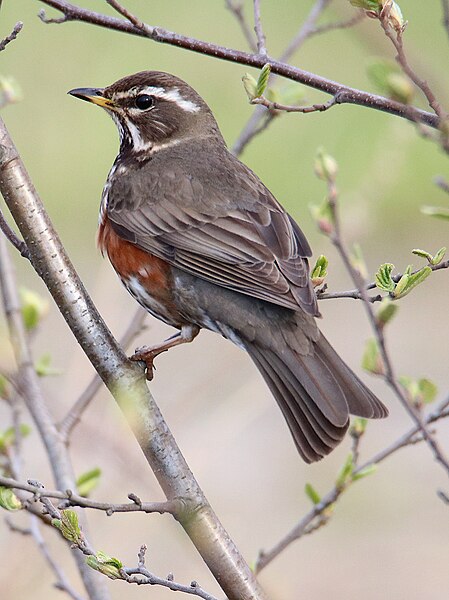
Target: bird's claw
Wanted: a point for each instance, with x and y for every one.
(147, 354)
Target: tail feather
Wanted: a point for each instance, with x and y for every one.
(316, 393)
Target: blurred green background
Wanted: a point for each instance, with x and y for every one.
(389, 536)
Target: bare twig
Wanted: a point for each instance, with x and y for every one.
(345, 24)
(12, 237)
(157, 34)
(321, 512)
(261, 48)
(389, 375)
(12, 36)
(69, 498)
(294, 108)
(74, 415)
(236, 8)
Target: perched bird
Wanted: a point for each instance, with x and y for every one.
(200, 242)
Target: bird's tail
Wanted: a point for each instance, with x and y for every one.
(316, 394)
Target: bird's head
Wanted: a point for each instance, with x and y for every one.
(153, 109)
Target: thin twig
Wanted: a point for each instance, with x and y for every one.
(333, 25)
(12, 36)
(236, 8)
(73, 416)
(323, 510)
(12, 237)
(157, 34)
(261, 47)
(261, 100)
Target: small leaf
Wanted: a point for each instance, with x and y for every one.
(262, 82)
(436, 211)
(8, 499)
(409, 281)
(250, 85)
(383, 278)
(395, 18)
(372, 360)
(8, 437)
(369, 470)
(423, 254)
(319, 271)
(88, 481)
(326, 167)
(358, 426)
(34, 308)
(43, 368)
(386, 312)
(427, 390)
(312, 494)
(105, 564)
(345, 475)
(69, 526)
(439, 256)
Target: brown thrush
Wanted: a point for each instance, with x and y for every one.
(199, 241)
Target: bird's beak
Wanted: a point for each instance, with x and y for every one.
(94, 95)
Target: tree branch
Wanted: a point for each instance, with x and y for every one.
(261, 47)
(125, 379)
(72, 12)
(236, 8)
(12, 36)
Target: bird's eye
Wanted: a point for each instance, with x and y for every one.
(144, 101)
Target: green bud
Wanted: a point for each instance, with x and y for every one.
(369, 470)
(8, 437)
(439, 256)
(383, 278)
(391, 81)
(372, 360)
(8, 499)
(326, 167)
(319, 271)
(409, 281)
(312, 494)
(345, 475)
(105, 564)
(250, 85)
(88, 481)
(386, 312)
(395, 18)
(433, 260)
(43, 367)
(358, 426)
(69, 526)
(34, 308)
(323, 216)
(262, 82)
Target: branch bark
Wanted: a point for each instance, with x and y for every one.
(350, 95)
(124, 379)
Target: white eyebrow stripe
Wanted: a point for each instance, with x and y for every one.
(172, 95)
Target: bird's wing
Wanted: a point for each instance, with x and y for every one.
(217, 222)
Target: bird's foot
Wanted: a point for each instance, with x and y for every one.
(147, 354)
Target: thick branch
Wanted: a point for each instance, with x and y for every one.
(72, 12)
(124, 379)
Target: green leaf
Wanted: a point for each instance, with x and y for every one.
(345, 475)
(69, 526)
(326, 167)
(427, 390)
(372, 360)
(108, 565)
(383, 278)
(8, 499)
(262, 82)
(409, 281)
(319, 271)
(358, 426)
(386, 312)
(88, 481)
(433, 260)
(250, 85)
(43, 368)
(34, 308)
(369, 470)
(8, 437)
(436, 211)
(312, 494)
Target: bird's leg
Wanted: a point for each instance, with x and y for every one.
(148, 353)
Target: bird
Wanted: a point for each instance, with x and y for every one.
(201, 243)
